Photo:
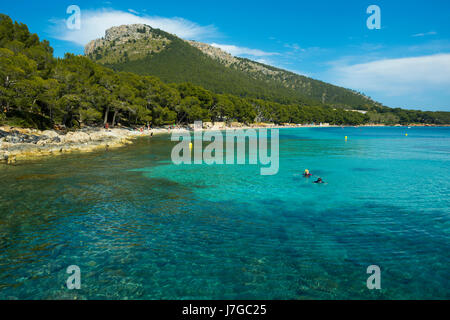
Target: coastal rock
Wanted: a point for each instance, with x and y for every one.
(97, 136)
(42, 142)
(50, 134)
(13, 139)
(24, 144)
(18, 136)
(32, 139)
(76, 137)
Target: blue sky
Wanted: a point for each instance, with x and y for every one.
(406, 63)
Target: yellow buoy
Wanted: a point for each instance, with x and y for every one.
(190, 145)
(346, 138)
(406, 134)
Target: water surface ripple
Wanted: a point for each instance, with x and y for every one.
(140, 227)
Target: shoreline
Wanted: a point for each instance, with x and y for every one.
(21, 144)
(29, 144)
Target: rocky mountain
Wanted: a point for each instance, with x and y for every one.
(144, 50)
(126, 42)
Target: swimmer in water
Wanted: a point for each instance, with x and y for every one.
(319, 180)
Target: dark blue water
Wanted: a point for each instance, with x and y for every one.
(140, 227)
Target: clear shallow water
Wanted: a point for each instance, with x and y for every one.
(140, 227)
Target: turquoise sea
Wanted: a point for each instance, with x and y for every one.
(140, 227)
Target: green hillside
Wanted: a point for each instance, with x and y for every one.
(179, 61)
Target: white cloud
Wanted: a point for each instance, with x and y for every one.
(396, 77)
(95, 22)
(133, 11)
(237, 51)
(294, 47)
(431, 33)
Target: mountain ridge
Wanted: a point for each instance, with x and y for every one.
(144, 50)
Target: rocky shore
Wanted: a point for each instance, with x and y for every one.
(18, 144)
(22, 144)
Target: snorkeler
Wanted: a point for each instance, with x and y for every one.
(319, 180)
(306, 173)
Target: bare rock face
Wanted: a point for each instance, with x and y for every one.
(214, 52)
(92, 45)
(120, 35)
(131, 31)
(138, 40)
(231, 61)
